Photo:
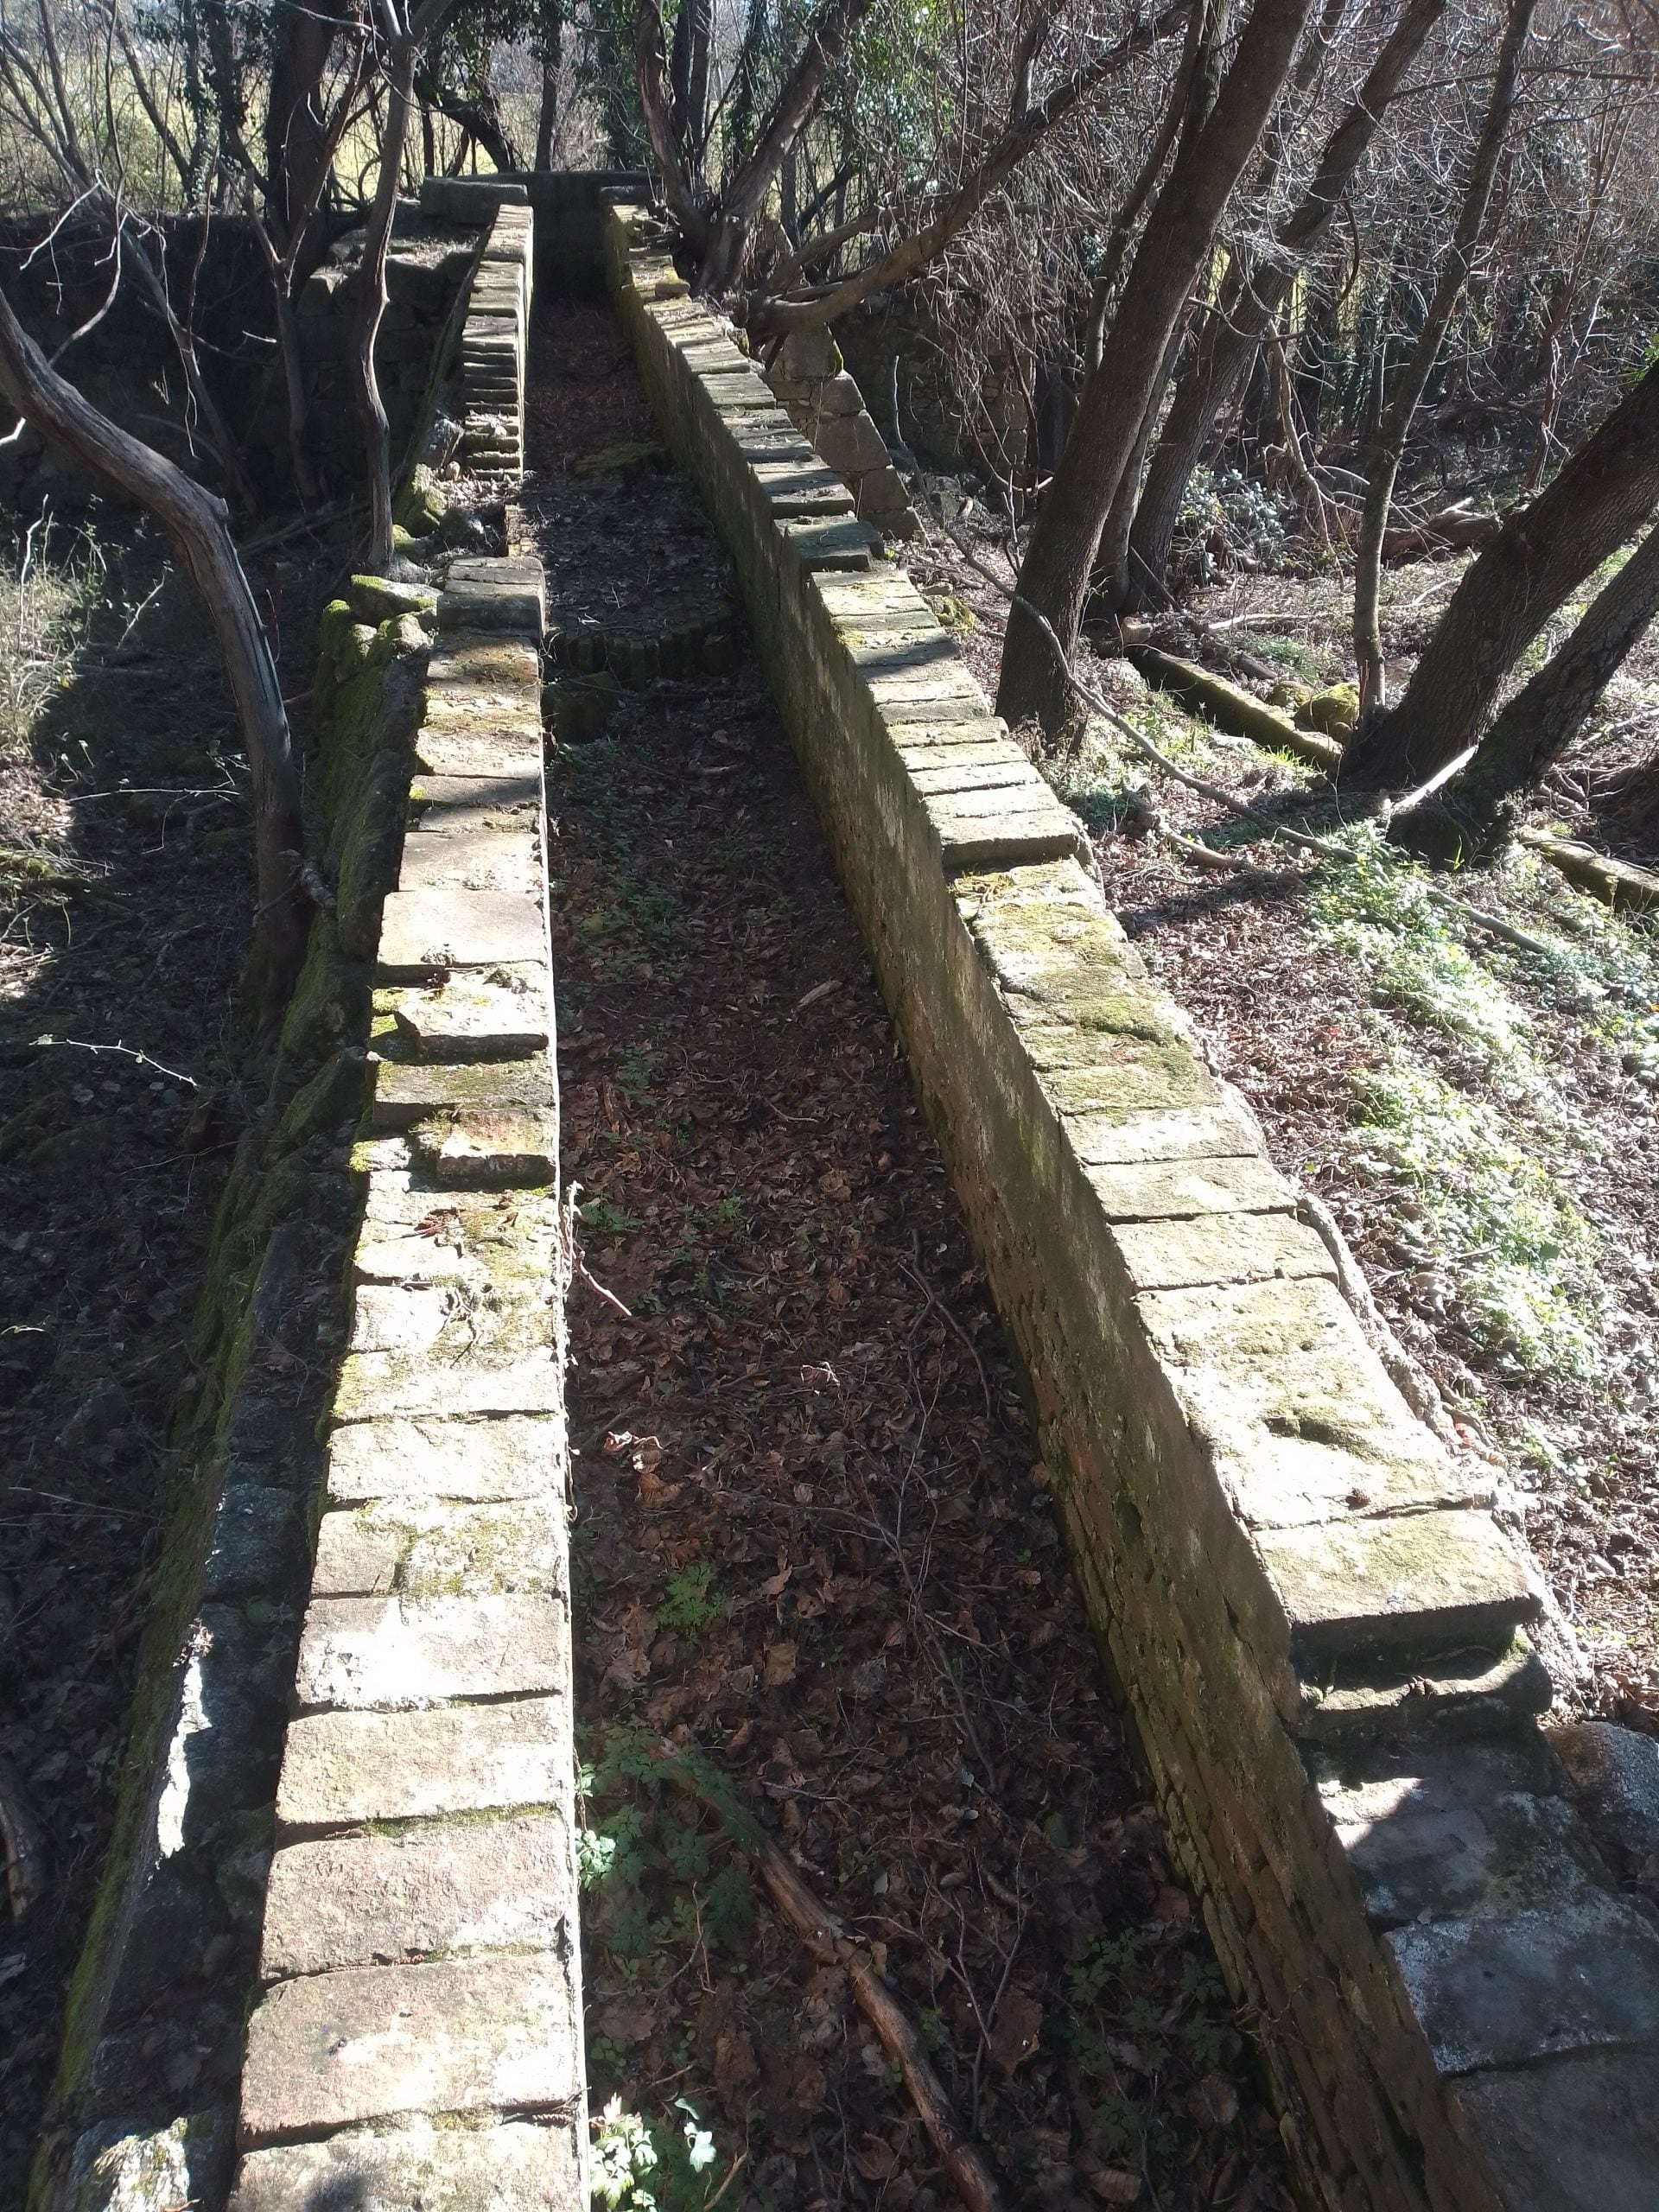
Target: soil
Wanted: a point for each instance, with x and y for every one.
(813, 1548)
(126, 842)
(1300, 1024)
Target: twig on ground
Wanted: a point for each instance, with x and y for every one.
(1414, 1384)
(827, 1943)
(127, 1052)
(934, 1301)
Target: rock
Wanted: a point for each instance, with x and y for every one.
(376, 600)
(809, 355)
(1333, 713)
(1614, 1774)
(116, 2170)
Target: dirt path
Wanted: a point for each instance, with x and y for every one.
(812, 1540)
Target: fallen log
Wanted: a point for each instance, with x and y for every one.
(1616, 883)
(1449, 531)
(1230, 708)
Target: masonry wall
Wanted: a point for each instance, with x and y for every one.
(1317, 1626)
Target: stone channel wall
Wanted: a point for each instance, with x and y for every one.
(1317, 1625)
(350, 1788)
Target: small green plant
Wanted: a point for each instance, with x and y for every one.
(637, 2167)
(602, 1218)
(692, 1602)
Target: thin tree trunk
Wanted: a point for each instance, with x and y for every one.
(1473, 813)
(198, 526)
(1540, 557)
(1383, 465)
(1178, 235)
(1252, 305)
(547, 118)
(371, 297)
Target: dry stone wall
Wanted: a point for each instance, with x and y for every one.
(1317, 1623)
(416, 2039)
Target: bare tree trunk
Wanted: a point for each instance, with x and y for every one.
(547, 119)
(1540, 557)
(372, 298)
(1251, 305)
(198, 526)
(1541, 722)
(1383, 465)
(1178, 235)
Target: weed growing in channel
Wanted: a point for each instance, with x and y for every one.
(693, 1601)
(638, 2167)
(655, 1901)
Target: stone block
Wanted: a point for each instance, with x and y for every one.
(1426, 1862)
(1021, 822)
(494, 595)
(342, 1769)
(452, 805)
(1509, 1989)
(1422, 1578)
(792, 488)
(424, 933)
(398, 1654)
(499, 747)
(1614, 1775)
(827, 545)
(118, 2167)
(960, 770)
(406, 1092)
(1220, 1248)
(415, 1320)
(1179, 1189)
(451, 2035)
(501, 1015)
(376, 1385)
(1578, 2134)
(415, 1460)
(486, 1148)
(369, 1900)
(1221, 1127)
(850, 444)
(518, 2166)
(437, 1549)
(1302, 1424)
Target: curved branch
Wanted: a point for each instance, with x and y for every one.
(770, 316)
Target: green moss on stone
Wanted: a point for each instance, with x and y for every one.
(333, 1096)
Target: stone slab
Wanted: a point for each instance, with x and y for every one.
(1181, 1189)
(1426, 1862)
(1222, 1127)
(497, 1013)
(371, 1900)
(440, 805)
(958, 771)
(375, 1385)
(341, 1768)
(500, 747)
(1507, 1989)
(1614, 1775)
(1578, 2134)
(792, 488)
(514, 2167)
(371, 2043)
(487, 1147)
(436, 1321)
(433, 1550)
(977, 829)
(1297, 1414)
(827, 543)
(406, 1092)
(1412, 1578)
(389, 1654)
(415, 1460)
(493, 595)
(1173, 1255)
(425, 932)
